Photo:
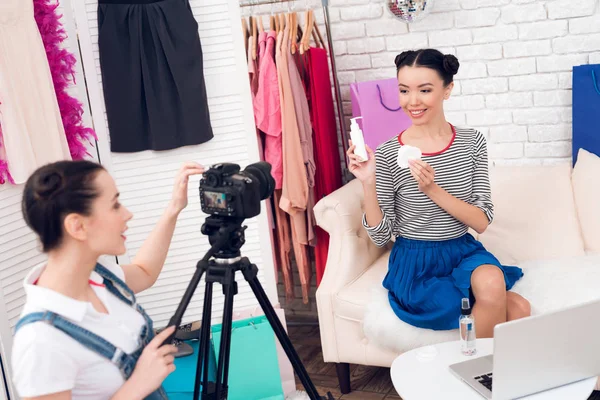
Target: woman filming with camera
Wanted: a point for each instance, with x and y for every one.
(82, 334)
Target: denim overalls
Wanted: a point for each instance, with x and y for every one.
(125, 362)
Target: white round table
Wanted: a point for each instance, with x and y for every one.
(418, 377)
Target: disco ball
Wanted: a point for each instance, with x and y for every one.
(410, 10)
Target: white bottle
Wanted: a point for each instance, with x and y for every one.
(467, 329)
(358, 140)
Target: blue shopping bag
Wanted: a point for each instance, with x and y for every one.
(586, 108)
(180, 384)
(253, 364)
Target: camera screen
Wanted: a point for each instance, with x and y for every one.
(215, 200)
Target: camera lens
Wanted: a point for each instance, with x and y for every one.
(262, 173)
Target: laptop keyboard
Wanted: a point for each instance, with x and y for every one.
(485, 380)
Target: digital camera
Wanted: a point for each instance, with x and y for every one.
(226, 191)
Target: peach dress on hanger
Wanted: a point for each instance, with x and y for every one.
(294, 197)
(32, 128)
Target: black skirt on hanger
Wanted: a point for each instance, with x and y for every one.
(152, 75)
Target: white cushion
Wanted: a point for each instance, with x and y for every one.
(548, 285)
(535, 214)
(380, 323)
(586, 189)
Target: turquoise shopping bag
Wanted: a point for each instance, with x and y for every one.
(179, 385)
(253, 366)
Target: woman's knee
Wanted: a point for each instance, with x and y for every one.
(488, 285)
(517, 306)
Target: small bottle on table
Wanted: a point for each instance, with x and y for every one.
(467, 329)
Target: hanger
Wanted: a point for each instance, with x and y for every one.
(261, 28)
(254, 34)
(282, 21)
(294, 31)
(293, 22)
(245, 33)
(308, 28)
(318, 39)
(272, 26)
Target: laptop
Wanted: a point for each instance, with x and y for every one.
(537, 353)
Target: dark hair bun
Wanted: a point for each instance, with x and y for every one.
(451, 64)
(401, 57)
(47, 185)
(55, 190)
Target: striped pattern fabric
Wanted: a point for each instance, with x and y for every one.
(461, 169)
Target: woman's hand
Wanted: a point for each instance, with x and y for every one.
(150, 258)
(363, 171)
(423, 173)
(154, 364)
(180, 190)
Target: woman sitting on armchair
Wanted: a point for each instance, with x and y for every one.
(429, 207)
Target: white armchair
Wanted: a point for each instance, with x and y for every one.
(536, 225)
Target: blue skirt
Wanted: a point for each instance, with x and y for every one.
(426, 280)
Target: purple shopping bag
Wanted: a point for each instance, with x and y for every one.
(378, 104)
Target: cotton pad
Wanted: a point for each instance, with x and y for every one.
(406, 153)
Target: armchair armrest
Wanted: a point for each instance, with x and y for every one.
(351, 252)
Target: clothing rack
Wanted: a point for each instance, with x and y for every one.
(336, 84)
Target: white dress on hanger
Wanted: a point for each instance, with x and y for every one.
(32, 128)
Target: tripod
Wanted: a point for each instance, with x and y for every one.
(226, 237)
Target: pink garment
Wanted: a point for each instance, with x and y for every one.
(267, 107)
(262, 44)
(306, 143)
(253, 76)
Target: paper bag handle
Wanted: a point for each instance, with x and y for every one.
(392, 109)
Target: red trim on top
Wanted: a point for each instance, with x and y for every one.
(437, 152)
(91, 282)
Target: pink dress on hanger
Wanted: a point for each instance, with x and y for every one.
(32, 128)
(267, 111)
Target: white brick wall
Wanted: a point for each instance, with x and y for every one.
(516, 57)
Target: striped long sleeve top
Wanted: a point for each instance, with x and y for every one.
(461, 169)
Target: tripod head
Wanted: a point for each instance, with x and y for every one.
(225, 235)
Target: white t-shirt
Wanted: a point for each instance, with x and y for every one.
(45, 360)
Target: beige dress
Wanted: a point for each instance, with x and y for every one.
(32, 129)
(294, 195)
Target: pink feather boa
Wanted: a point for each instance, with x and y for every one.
(4, 172)
(62, 68)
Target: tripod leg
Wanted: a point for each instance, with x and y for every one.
(204, 345)
(229, 290)
(250, 272)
